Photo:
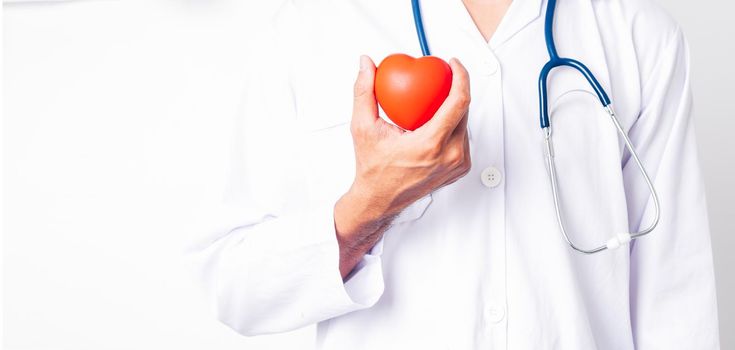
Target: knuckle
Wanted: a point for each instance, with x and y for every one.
(463, 100)
(455, 157)
(432, 150)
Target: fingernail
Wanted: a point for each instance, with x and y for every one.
(363, 62)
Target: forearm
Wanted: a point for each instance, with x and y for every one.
(359, 222)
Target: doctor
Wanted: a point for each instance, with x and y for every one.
(446, 237)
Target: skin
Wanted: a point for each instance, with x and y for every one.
(487, 14)
(394, 168)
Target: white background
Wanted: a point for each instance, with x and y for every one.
(116, 135)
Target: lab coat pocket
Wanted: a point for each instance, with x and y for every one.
(414, 211)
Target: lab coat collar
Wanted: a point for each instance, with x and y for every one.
(519, 15)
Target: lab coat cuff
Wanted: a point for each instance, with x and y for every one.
(364, 285)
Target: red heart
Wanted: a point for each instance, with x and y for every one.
(410, 90)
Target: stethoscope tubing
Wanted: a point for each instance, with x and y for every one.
(555, 61)
(419, 24)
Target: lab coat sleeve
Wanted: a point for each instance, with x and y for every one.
(672, 283)
(273, 265)
(281, 273)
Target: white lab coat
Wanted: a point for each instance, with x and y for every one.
(473, 265)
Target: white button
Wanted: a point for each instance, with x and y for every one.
(495, 313)
(491, 177)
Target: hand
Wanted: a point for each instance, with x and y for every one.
(396, 167)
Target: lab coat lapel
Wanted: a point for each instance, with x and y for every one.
(519, 15)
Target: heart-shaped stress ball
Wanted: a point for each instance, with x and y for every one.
(410, 90)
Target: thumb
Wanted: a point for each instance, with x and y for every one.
(365, 108)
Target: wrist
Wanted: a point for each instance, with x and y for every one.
(371, 205)
(359, 216)
(351, 216)
(356, 228)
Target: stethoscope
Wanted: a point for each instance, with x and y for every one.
(555, 61)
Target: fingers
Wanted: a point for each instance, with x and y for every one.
(462, 162)
(461, 130)
(454, 108)
(365, 108)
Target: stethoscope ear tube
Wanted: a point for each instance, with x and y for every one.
(556, 61)
(544, 76)
(620, 239)
(419, 23)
